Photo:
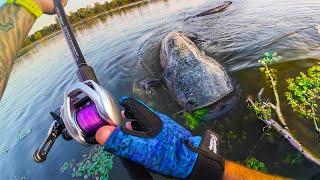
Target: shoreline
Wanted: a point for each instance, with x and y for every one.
(26, 49)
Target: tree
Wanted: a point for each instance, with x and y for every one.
(27, 42)
(78, 16)
(37, 35)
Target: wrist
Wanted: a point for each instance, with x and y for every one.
(39, 5)
(208, 157)
(33, 7)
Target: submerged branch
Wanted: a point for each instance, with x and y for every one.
(314, 119)
(276, 107)
(294, 142)
(286, 134)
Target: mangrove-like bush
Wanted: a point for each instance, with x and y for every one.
(303, 94)
(263, 109)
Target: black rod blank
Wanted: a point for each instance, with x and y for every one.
(68, 33)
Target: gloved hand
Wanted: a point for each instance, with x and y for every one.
(163, 146)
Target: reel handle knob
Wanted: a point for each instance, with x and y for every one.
(40, 155)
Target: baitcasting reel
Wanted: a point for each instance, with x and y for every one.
(87, 107)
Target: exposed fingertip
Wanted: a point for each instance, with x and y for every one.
(123, 115)
(129, 125)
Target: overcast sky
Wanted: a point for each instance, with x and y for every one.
(72, 5)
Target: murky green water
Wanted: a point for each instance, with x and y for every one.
(237, 38)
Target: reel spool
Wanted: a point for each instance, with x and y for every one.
(87, 107)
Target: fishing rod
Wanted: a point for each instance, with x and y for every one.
(87, 106)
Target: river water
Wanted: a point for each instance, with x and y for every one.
(237, 38)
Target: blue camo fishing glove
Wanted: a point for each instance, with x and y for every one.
(163, 146)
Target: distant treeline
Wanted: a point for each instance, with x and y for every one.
(76, 17)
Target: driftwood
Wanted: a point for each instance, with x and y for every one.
(286, 134)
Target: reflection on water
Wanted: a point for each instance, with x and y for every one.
(237, 37)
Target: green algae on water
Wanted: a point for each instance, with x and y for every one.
(4, 150)
(24, 132)
(22, 178)
(97, 164)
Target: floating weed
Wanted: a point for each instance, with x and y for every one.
(22, 178)
(96, 164)
(24, 132)
(293, 159)
(45, 94)
(255, 164)
(195, 117)
(4, 150)
(65, 167)
(232, 135)
(229, 138)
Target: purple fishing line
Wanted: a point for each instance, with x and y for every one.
(89, 119)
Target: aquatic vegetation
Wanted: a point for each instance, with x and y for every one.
(97, 165)
(232, 135)
(255, 164)
(65, 166)
(45, 94)
(4, 150)
(228, 138)
(24, 132)
(195, 117)
(294, 159)
(262, 108)
(22, 178)
(303, 94)
(271, 79)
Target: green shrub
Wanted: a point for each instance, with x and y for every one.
(255, 164)
(303, 94)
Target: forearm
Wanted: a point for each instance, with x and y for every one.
(15, 23)
(238, 172)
